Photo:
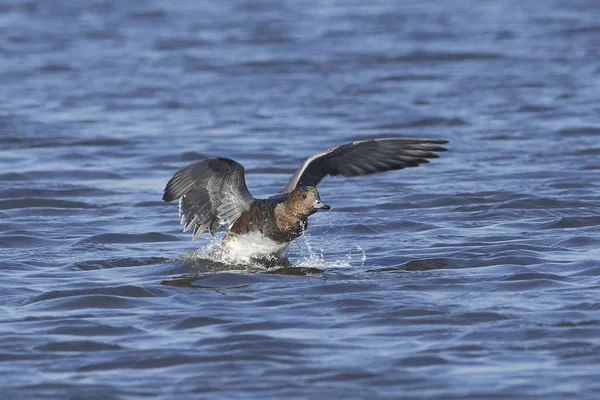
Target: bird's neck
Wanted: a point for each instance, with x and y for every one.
(286, 218)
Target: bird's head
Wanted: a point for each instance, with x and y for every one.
(305, 201)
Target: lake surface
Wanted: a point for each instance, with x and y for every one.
(477, 275)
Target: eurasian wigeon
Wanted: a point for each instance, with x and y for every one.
(212, 193)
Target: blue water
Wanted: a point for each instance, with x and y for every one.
(477, 275)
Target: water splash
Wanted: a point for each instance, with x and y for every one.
(206, 252)
(240, 254)
(363, 255)
(316, 258)
(248, 252)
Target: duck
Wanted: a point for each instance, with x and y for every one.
(212, 193)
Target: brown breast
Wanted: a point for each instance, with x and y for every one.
(271, 220)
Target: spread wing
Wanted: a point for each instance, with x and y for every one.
(364, 158)
(211, 193)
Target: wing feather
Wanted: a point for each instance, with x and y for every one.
(211, 193)
(364, 158)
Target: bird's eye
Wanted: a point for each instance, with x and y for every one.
(304, 195)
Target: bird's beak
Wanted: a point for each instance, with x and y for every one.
(319, 205)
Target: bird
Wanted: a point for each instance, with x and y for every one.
(212, 193)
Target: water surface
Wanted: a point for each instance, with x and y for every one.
(476, 275)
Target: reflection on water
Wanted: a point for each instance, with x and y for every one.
(189, 282)
(417, 265)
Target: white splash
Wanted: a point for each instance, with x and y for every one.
(316, 259)
(246, 249)
(242, 250)
(363, 256)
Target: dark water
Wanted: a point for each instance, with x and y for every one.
(477, 275)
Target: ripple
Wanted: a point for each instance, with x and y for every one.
(580, 241)
(540, 203)
(349, 375)
(585, 30)
(483, 317)
(576, 324)
(20, 241)
(253, 342)
(349, 287)
(572, 222)
(94, 329)
(426, 264)
(77, 346)
(65, 175)
(117, 263)
(278, 66)
(419, 56)
(410, 77)
(141, 362)
(107, 295)
(518, 285)
(421, 361)
(533, 108)
(102, 141)
(150, 237)
(173, 44)
(13, 176)
(149, 14)
(580, 131)
(197, 322)
(420, 123)
(56, 68)
(41, 203)
(534, 276)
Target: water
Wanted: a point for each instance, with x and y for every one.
(476, 275)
